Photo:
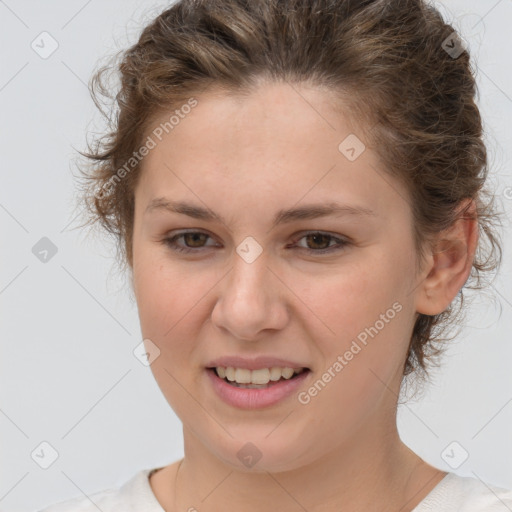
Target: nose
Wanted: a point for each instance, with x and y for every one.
(251, 300)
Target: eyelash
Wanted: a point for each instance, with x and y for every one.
(171, 242)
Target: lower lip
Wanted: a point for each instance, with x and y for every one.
(247, 398)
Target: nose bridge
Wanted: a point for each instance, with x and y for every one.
(249, 280)
(249, 299)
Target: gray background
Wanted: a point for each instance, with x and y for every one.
(69, 326)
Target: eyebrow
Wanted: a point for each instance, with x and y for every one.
(308, 211)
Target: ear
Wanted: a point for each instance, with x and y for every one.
(449, 264)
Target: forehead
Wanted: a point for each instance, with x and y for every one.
(264, 123)
(280, 142)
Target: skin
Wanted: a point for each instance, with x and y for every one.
(245, 159)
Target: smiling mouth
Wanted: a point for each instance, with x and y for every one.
(256, 379)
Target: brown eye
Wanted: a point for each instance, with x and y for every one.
(193, 240)
(319, 239)
(319, 243)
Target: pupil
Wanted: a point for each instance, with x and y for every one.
(317, 236)
(194, 236)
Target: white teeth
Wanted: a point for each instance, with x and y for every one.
(243, 376)
(275, 373)
(261, 376)
(287, 372)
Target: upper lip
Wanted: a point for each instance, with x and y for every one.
(254, 363)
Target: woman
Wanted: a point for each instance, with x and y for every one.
(297, 191)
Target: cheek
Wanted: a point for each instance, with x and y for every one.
(340, 302)
(361, 355)
(168, 309)
(365, 307)
(164, 296)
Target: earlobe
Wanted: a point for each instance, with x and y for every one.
(451, 263)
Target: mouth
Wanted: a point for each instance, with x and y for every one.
(262, 378)
(255, 382)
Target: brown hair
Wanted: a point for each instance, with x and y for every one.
(388, 59)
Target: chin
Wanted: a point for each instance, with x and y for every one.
(259, 452)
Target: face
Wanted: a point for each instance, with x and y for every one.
(331, 293)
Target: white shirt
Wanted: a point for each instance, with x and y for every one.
(452, 494)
